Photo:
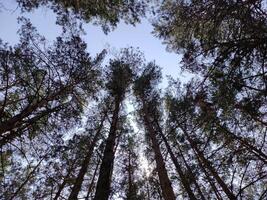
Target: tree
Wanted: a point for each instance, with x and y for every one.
(225, 42)
(120, 75)
(39, 85)
(148, 98)
(105, 13)
(91, 146)
(214, 150)
(129, 167)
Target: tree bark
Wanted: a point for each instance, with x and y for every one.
(165, 183)
(207, 164)
(90, 188)
(19, 119)
(106, 168)
(62, 185)
(190, 170)
(79, 180)
(178, 167)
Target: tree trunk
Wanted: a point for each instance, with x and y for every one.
(257, 152)
(79, 180)
(14, 134)
(165, 183)
(19, 119)
(207, 164)
(178, 167)
(130, 184)
(190, 171)
(62, 185)
(90, 188)
(106, 168)
(27, 179)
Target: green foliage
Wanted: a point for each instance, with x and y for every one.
(107, 14)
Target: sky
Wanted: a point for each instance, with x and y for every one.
(123, 36)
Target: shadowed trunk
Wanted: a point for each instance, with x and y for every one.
(178, 167)
(79, 180)
(208, 165)
(106, 168)
(165, 183)
(65, 180)
(90, 187)
(190, 171)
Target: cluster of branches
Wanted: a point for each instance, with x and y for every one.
(66, 131)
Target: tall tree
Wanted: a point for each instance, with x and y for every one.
(91, 146)
(119, 75)
(213, 149)
(148, 97)
(42, 83)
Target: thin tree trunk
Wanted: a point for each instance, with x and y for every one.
(62, 185)
(257, 152)
(14, 134)
(129, 170)
(12, 122)
(178, 167)
(79, 180)
(90, 188)
(106, 168)
(165, 183)
(27, 179)
(190, 171)
(207, 164)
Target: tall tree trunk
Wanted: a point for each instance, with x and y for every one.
(90, 187)
(208, 165)
(23, 125)
(106, 168)
(190, 171)
(16, 120)
(178, 167)
(257, 152)
(65, 180)
(165, 183)
(79, 180)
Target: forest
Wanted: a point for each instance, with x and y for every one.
(76, 126)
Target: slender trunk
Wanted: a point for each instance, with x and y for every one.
(213, 186)
(14, 134)
(208, 165)
(191, 172)
(61, 187)
(178, 167)
(65, 180)
(165, 183)
(257, 152)
(147, 190)
(17, 119)
(79, 180)
(90, 188)
(106, 168)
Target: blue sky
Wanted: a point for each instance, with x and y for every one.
(123, 36)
